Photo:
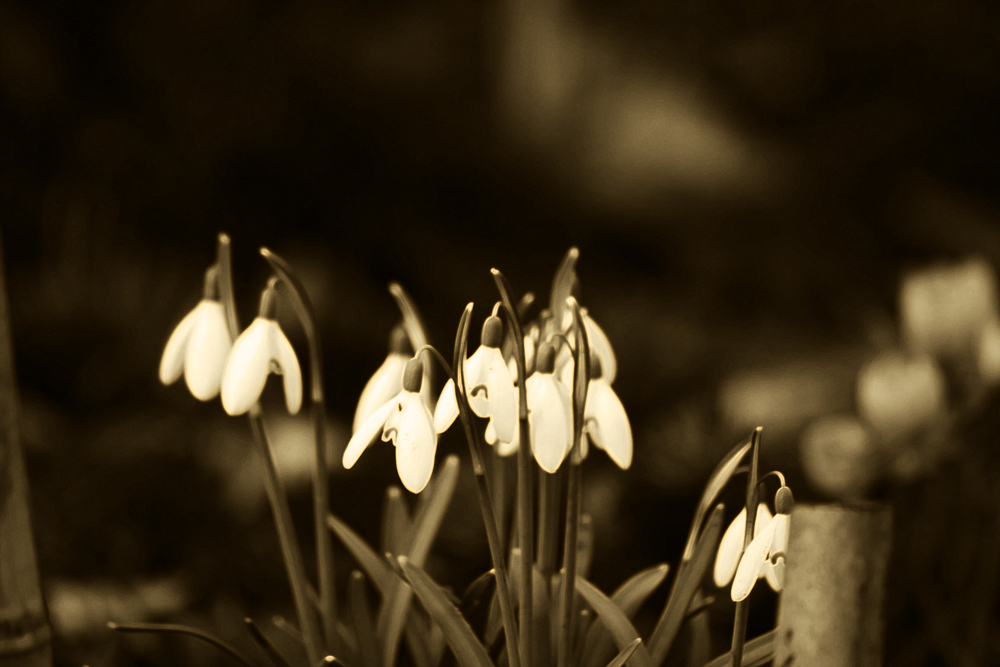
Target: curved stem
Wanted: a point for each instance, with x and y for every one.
(440, 358)
(485, 497)
(743, 606)
(181, 630)
(286, 536)
(321, 489)
(525, 509)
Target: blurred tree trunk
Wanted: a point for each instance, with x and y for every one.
(831, 610)
(25, 637)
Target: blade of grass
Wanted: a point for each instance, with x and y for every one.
(392, 616)
(716, 481)
(364, 626)
(625, 654)
(628, 597)
(380, 574)
(689, 576)
(265, 644)
(396, 522)
(757, 651)
(466, 647)
(182, 630)
(621, 629)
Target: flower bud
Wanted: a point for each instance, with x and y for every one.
(413, 375)
(783, 501)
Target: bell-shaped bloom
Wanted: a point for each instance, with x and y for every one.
(765, 556)
(259, 351)
(731, 545)
(607, 423)
(198, 347)
(386, 382)
(490, 387)
(600, 347)
(550, 419)
(406, 421)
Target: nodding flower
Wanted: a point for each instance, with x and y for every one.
(259, 351)
(407, 421)
(765, 556)
(604, 417)
(387, 380)
(199, 345)
(550, 412)
(490, 387)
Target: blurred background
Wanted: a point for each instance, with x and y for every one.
(787, 215)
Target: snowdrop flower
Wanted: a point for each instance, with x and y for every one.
(605, 419)
(731, 545)
(407, 421)
(198, 346)
(600, 348)
(765, 557)
(259, 351)
(550, 412)
(387, 380)
(490, 386)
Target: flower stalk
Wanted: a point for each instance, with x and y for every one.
(321, 490)
(743, 606)
(485, 495)
(525, 505)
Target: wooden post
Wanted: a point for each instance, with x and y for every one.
(25, 637)
(831, 610)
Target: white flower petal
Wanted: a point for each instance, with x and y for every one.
(550, 418)
(752, 563)
(731, 545)
(382, 386)
(490, 435)
(172, 362)
(416, 444)
(601, 347)
(447, 408)
(247, 367)
(207, 350)
(564, 367)
(730, 548)
(282, 352)
(608, 424)
(477, 370)
(366, 433)
(503, 406)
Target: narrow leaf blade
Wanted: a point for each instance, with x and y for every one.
(625, 654)
(719, 478)
(628, 597)
(757, 651)
(379, 573)
(622, 630)
(468, 651)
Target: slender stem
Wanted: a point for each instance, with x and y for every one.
(223, 259)
(548, 521)
(485, 496)
(265, 644)
(525, 481)
(181, 630)
(743, 606)
(581, 383)
(321, 489)
(286, 537)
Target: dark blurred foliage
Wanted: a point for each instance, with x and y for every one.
(745, 181)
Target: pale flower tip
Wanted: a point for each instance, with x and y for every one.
(447, 408)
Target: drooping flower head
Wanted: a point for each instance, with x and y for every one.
(604, 417)
(765, 556)
(260, 350)
(407, 421)
(490, 387)
(199, 345)
(387, 380)
(550, 412)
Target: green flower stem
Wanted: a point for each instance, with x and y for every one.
(743, 606)
(485, 496)
(286, 537)
(181, 630)
(525, 475)
(321, 488)
(548, 521)
(574, 492)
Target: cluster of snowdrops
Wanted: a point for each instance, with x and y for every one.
(541, 391)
